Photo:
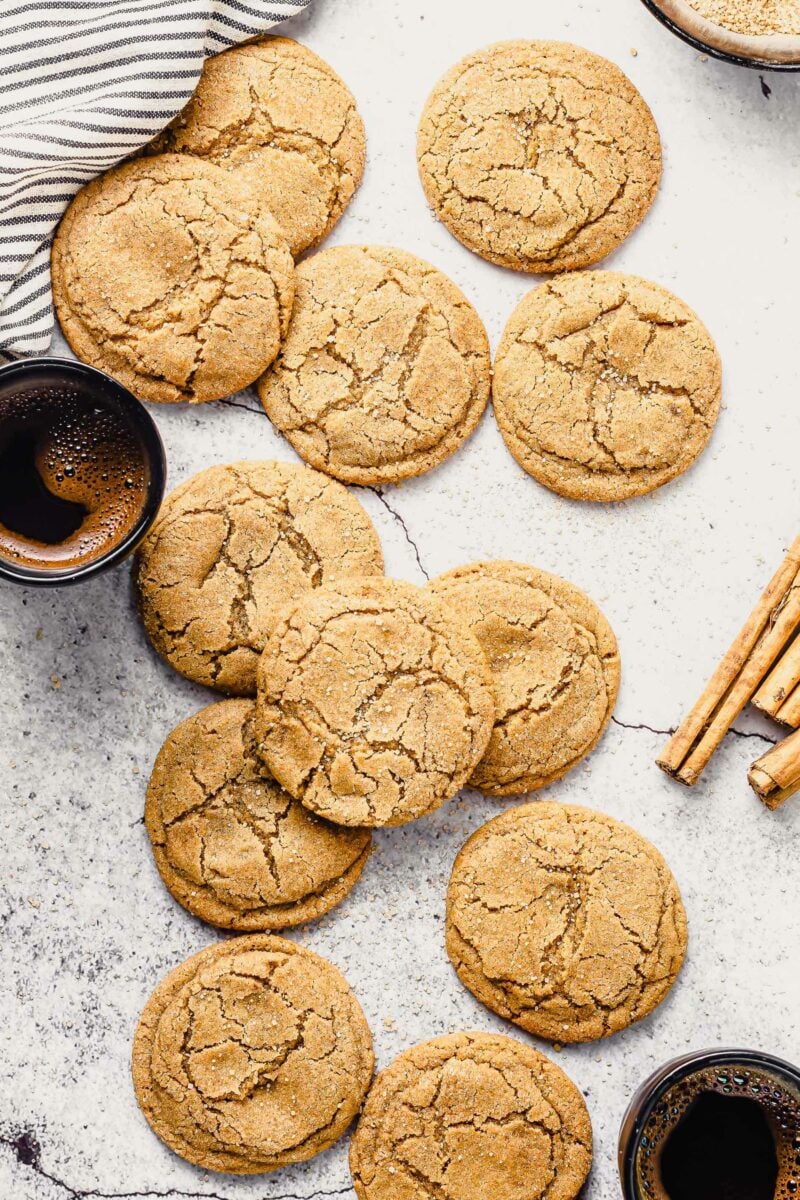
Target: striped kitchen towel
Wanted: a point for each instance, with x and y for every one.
(83, 83)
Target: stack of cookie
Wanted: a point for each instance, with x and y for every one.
(175, 272)
(357, 701)
(354, 701)
(377, 700)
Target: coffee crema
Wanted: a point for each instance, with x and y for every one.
(74, 477)
(722, 1133)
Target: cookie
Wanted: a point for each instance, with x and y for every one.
(385, 371)
(564, 921)
(280, 118)
(555, 670)
(374, 702)
(230, 844)
(232, 545)
(169, 276)
(472, 1116)
(538, 155)
(605, 386)
(251, 1055)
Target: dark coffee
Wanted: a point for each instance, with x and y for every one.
(74, 477)
(722, 1134)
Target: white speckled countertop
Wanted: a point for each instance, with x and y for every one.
(87, 928)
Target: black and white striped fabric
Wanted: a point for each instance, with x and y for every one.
(83, 83)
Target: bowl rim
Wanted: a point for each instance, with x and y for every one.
(155, 454)
(728, 56)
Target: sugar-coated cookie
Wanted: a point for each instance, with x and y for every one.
(605, 385)
(230, 844)
(374, 702)
(539, 156)
(170, 276)
(565, 921)
(555, 670)
(231, 546)
(279, 117)
(385, 371)
(468, 1116)
(251, 1055)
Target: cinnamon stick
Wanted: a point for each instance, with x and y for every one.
(774, 620)
(789, 711)
(776, 775)
(779, 685)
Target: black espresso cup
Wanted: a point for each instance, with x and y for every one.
(714, 1123)
(82, 471)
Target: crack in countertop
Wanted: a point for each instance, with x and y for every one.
(741, 733)
(401, 522)
(27, 1151)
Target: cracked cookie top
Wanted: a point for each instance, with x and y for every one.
(605, 385)
(283, 120)
(232, 545)
(251, 1055)
(564, 921)
(170, 276)
(472, 1116)
(538, 155)
(375, 703)
(385, 370)
(231, 845)
(555, 670)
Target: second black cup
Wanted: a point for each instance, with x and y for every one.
(713, 1124)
